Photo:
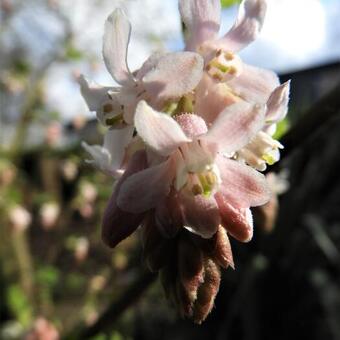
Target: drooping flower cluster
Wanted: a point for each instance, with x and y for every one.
(187, 136)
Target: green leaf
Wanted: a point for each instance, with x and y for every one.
(19, 304)
(72, 53)
(282, 128)
(228, 3)
(48, 276)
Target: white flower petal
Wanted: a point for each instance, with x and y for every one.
(115, 46)
(159, 131)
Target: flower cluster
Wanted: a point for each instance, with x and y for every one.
(188, 134)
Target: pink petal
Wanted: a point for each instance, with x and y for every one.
(116, 142)
(242, 186)
(196, 156)
(192, 125)
(118, 224)
(238, 222)
(202, 20)
(174, 75)
(254, 84)
(115, 44)
(127, 99)
(235, 126)
(149, 64)
(277, 105)
(93, 93)
(144, 190)
(158, 130)
(200, 214)
(168, 216)
(211, 98)
(247, 26)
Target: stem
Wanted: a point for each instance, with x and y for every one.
(25, 265)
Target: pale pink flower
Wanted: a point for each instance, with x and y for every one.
(187, 173)
(69, 169)
(20, 217)
(162, 78)
(49, 213)
(226, 79)
(81, 248)
(86, 210)
(88, 192)
(42, 330)
(263, 149)
(109, 158)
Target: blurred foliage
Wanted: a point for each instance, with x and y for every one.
(72, 53)
(282, 128)
(229, 3)
(20, 305)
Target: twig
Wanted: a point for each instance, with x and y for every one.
(25, 263)
(322, 240)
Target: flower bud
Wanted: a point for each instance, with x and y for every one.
(222, 253)
(207, 291)
(190, 271)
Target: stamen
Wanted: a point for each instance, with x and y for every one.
(114, 120)
(224, 66)
(196, 189)
(107, 108)
(210, 178)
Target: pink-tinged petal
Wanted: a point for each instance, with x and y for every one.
(116, 142)
(174, 75)
(196, 156)
(101, 158)
(277, 105)
(127, 99)
(235, 126)
(222, 253)
(118, 224)
(94, 94)
(109, 157)
(242, 186)
(238, 222)
(192, 125)
(115, 45)
(211, 98)
(200, 214)
(254, 84)
(248, 25)
(168, 216)
(149, 64)
(159, 131)
(144, 190)
(202, 20)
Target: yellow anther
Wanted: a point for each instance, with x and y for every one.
(210, 178)
(232, 70)
(196, 189)
(107, 108)
(229, 56)
(218, 53)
